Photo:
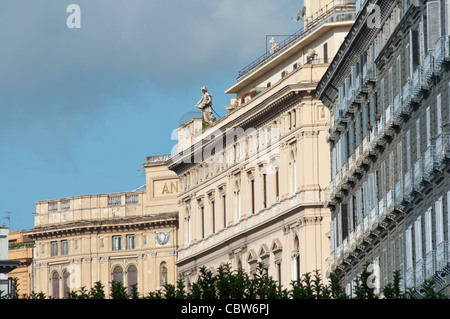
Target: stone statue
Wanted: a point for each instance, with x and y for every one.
(275, 47)
(205, 104)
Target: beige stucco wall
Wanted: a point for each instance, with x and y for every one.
(88, 224)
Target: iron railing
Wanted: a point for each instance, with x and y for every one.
(317, 19)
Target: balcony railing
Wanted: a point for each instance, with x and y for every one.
(399, 193)
(398, 109)
(408, 183)
(442, 147)
(418, 172)
(410, 277)
(382, 208)
(429, 161)
(430, 265)
(337, 10)
(441, 255)
(417, 82)
(420, 272)
(407, 93)
(428, 68)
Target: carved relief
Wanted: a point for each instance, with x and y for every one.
(162, 238)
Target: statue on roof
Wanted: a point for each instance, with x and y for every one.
(205, 105)
(274, 46)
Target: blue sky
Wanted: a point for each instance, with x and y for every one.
(80, 109)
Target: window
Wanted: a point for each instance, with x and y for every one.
(428, 232)
(428, 123)
(114, 200)
(325, 52)
(64, 247)
(408, 248)
(131, 241)
(439, 218)
(53, 206)
(265, 190)
(163, 274)
(54, 248)
(131, 278)
(438, 114)
(117, 242)
(418, 238)
(66, 282)
(117, 274)
(55, 285)
(202, 216)
(224, 209)
(418, 138)
(433, 23)
(213, 213)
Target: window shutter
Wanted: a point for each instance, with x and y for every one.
(351, 138)
(408, 248)
(438, 114)
(428, 233)
(365, 199)
(439, 217)
(447, 16)
(418, 137)
(408, 150)
(358, 129)
(433, 23)
(365, 124)
(421, 42)
(373, 109)
(415, 49)
(399, 161)
(428, 119)
(418, 238)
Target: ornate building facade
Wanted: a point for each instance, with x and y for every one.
(126, 237)
(388, 91)
(251, 184)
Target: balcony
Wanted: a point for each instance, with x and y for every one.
(407, 95)
(418, 174)
(409, 277)
(391, 121)
(417, 83)
(420, 272)
(399, 110)
(352, 166)
(390, 200)
(382, 209)
(427, 69)
(366, 146)
(398, 196)
(429, 162)
(442, 150)
(441, 52)
(441, 255)
(430, 264)
(408, 187)
(374, 217)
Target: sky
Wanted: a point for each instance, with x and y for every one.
(81, 108)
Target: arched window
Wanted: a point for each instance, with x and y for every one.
(131, 277)
(55, 285)
(117, 274)
(66, 284)
(163, 274)
(296, 260)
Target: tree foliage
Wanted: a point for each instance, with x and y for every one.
(226, 283)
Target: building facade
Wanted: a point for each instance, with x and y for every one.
(126, 237)
(252, 183)
(21, 250)
(6, 265)
(388, 91)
